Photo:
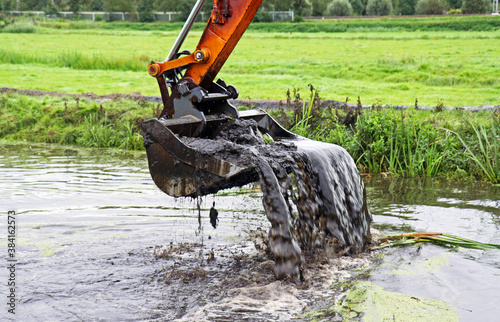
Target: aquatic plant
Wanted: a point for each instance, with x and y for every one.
(399, 143)
(419, 238)
(366, 301)
(131, 137)
(73, 121)
(409, 142)
(97, 132)
(302, 120)
(486, 157)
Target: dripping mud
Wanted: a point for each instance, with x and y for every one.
(312, 192)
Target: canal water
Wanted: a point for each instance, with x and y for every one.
(97, 241)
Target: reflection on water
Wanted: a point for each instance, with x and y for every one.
(88, 220)
(468, 279)
(91, 220)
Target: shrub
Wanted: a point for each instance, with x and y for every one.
(476, 6)
(74, 6)
(20, 27)
(455, 4)
(9, 5)
(52, 10)
(4, 18)
(298, 19)
(302, 7)
(339, 8)
(262, 16)
(319, 7)
(430, 7)
(97, 5)
(455, 11)
(407, 7)
(395, 8)
(357, 7)
(378, 7)
(145, 10)
(183, 7)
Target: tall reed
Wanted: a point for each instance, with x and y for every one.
(302, 125)
(486, 157)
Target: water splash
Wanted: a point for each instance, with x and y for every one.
(320, 179)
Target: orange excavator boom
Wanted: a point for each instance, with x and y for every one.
(228, 21)
(223, 31)
(196, 106)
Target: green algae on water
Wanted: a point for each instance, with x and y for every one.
(432, 264)
(369, 302)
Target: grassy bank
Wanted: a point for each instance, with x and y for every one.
(457, 144)
(111, 124)
(380, 60)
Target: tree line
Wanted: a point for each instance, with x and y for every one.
(302, 8)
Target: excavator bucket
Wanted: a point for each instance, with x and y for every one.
(180, 169)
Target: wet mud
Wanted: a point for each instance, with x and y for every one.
(235, 283)
(311, 191)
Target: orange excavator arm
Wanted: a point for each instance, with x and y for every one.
(224, 29)
(197, 107)
(228, 21)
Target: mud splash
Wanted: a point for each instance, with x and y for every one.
(311, 191)
(233, 283)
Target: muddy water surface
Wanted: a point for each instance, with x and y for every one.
(98, 241)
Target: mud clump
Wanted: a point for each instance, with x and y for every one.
(311, 191)
(174, 250)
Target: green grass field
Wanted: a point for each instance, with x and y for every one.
(378, 64)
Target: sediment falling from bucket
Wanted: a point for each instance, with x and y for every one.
(320, 179)
(332, 193)
(282, 243)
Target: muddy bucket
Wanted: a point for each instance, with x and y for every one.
(180, 170)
